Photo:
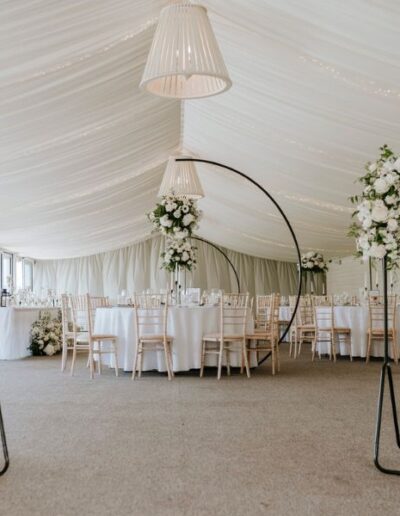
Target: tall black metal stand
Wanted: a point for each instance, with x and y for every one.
(4, 443)
(386, 371)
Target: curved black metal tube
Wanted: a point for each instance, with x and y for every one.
(4, 444)
(284, 218)
(224, 255)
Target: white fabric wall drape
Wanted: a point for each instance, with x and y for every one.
(137, 267)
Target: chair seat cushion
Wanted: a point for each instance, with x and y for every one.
(105, 336)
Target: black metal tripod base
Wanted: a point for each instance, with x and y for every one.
(4, 443)
(386, 370)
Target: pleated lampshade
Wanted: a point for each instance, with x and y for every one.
(184, 61)
(181, 179)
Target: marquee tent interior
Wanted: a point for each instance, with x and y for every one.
(208, 428)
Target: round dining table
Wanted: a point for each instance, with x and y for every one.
(186, 324)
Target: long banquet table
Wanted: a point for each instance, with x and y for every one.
(186, 324)
(355, 318)
(15, 328)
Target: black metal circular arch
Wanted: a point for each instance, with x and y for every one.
(245, 176)
(224, 255)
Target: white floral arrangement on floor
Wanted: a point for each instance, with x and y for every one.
(175, 217)
(313, 262)
(46, 335)
(376, 225)
(178, 253)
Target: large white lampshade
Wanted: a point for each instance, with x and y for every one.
(184, 61)
(180, 178)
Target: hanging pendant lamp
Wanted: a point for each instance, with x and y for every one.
(181, 180)
(184, 61)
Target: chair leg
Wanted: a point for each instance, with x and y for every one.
(202, 359)
(170, 358)
(73, 359)
(91, 361)
(278, 358)
(368, 347)
(242, 358)
(99, 358)
(334, 346)
(351, 350)
(221, 350)
(114, 345)
(135, 361)
(228, 360)
(394, 345)
(140, 352)
(313, 348)
(246, 360)
(167, 362)
(273, 358)
(64, 354)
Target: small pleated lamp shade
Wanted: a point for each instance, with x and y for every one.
(180, 179)
(184, 61)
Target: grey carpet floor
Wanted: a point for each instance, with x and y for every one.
(296, 444)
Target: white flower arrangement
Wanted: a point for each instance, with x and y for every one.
(46, 335)
(175, 217)
(313, 262)
(178, 253)
(376, 225)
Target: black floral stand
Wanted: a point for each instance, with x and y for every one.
(4, 443)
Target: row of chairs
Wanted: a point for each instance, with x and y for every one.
(151, 320)
(315, 323)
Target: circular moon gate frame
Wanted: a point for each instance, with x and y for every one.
(282, 337)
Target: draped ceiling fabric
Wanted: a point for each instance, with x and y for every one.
(315, 93)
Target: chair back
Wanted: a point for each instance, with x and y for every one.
(306, 311)
(81, 319)
(376, 312)
(264, 305)
(151, 314)
(99, 302)
(233, 314)
(323, 312)
(66, 316)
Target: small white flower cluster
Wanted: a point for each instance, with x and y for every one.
(178, 253)
(46, 335)
(378, 209)
(175, 217)
(314, 262)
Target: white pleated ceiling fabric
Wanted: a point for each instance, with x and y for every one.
(315, 93)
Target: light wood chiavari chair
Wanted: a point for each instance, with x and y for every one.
(326, 329)
(68, 332)
(83, 315)
(151, 320)
(376, 315)
(266, 339)
(231, 336)
(303, 327)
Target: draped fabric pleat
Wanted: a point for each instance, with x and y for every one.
(137, 267)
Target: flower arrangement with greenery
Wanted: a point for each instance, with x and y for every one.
(175, 217)
(313, 262)
(178, 253)
(46, 335)
(377, 214)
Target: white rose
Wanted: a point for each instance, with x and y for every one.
(392, 224)
(363, 242)
(388, 166)
(49, 350)
(372, 167)
(379, 212)
(367, 222)
(377, 251)
(390, 178)
(166, 221)
(390, 199)
(185, 256)
(381, 186)
(169, 207)
(396, 164)
(187, 219)
(177, 214)
(309, 265)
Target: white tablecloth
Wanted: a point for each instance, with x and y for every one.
(355, 318)
(186, 325)
(15, 327)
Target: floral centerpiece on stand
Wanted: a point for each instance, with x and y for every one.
(313, 262)
(175, 217)
(179, 253)
(377, 214)
(46, 335)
